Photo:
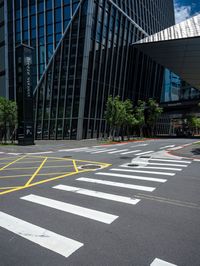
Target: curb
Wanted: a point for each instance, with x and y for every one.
(182, 147)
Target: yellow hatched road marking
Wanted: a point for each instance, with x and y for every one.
(28, 175)
(4, 167)
(36, 172)
(26, 162)
(6, 187)
(7, 158)
(50, 159)
(20, 168)
(75, 166)
(40, 182)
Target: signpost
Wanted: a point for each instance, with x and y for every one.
(24, 95)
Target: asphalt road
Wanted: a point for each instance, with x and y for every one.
(89, 207)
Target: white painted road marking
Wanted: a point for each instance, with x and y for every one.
(75, 149)
(162, 164)
(116, 184)
(128, 152)
(158, 262)
(118, 151)
(169, 160)
(143, 153)
(132, 176)
(104, 150)
(169, 146)
(140, 145)
(74, 209)
(147, 172)
(98, 194)
(45, 238)
(160, 168)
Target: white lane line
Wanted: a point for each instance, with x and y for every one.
(169, 146)
(98, 194)
(147, 172)
(132, 176)
(75, 149)
(158, 262)
(140, 145)
(74, 209)
(91, 150)
(118, 151)
(116, 184)
(104, 150)
(42, 152)
(14, 153)
(170, 160)
(128, 152)
(45, 238)
(143, 153)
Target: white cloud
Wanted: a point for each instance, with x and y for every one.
(182, 12)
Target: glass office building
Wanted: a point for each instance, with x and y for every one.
(82, 54)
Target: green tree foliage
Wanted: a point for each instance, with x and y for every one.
(193, 122)
(129, 119)
(8, 116)
(119, 115)
(139, 116)
(152, 113)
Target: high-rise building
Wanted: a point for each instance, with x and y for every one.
(82, 53)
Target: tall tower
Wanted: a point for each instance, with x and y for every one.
(82, 54)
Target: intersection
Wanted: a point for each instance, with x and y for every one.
(120, 204)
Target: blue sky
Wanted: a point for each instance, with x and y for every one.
(186, 8)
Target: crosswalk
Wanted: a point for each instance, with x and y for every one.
(115, 149)
(121, 178)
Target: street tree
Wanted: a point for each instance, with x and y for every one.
(114, 114)
(193, 122)
(129, 120)
(119, 116)
(8, 117)
(152, 113)
(139, 116)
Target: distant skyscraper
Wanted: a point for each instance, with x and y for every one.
(82, 54)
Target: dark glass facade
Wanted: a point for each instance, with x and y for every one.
(177, 90)
(83, 54)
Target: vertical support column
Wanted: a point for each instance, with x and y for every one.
(85, 69)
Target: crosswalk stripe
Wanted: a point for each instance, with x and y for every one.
(169, 146)
(104, 150)
(143, 153)
(118, 151)
(140, 145)
(98, 194)
(129, 152)
(116, 184)
(41, 236)
(132, 176)
(170, 160)
(147, 172)
(158, 262)
(70, 208)
(161, 168)
(162, 164)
